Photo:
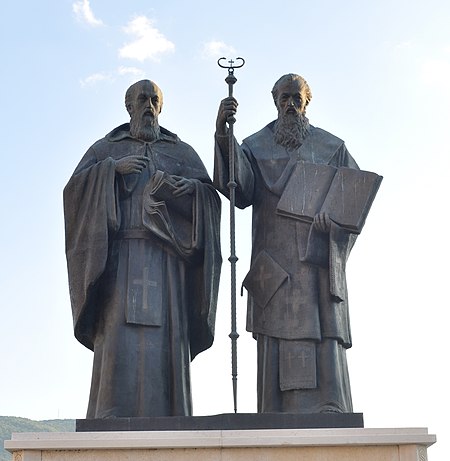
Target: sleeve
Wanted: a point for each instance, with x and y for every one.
(91, 214)
(244, 174)
(342, 157)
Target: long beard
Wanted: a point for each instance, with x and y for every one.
(291, 130)
(144, 129)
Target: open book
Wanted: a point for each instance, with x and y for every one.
(345, 194)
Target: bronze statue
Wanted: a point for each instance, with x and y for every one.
(143, 253)
(302, 236)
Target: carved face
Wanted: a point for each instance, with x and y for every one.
(291, 99)
(145, 101)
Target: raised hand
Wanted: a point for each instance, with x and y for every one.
(131, 164)
(227, 108)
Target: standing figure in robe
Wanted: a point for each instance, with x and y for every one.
(142, 226)
(297, 303)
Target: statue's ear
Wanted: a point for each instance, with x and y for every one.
(275, 102)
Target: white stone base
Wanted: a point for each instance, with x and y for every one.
(250, 445)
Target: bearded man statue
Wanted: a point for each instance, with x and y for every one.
(143, 253)
(297, 305)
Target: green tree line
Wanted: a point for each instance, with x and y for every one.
(10, 424)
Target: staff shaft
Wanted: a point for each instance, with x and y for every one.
(231, 80)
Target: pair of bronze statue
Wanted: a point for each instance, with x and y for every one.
(142, 223)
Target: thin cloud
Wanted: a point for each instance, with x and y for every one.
(84, 13)
(217, 49)
(405, 45)
(134, 71)
(110, 77)
(149, 42)
(94, 79)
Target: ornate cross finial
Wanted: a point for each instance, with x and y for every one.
(231, 67)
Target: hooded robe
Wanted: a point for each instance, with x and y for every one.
(297, 302)
(143, 274)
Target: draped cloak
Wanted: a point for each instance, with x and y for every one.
(297, 301)
(143, 276)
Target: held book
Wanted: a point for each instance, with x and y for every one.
(162, 187)
(345, 194)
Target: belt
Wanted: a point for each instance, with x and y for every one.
(133, 234)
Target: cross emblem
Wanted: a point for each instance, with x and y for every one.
(146, 283)
(263, 276)
(303, 356)
(299, 358)
(294, 297)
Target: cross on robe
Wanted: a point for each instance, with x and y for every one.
(146, 283)
(303, 356)
(291, 302)
(264, 275)
(297, 365)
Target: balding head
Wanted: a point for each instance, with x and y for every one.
(144, 101)
(291, 95)
(143, 89)
(288, 79)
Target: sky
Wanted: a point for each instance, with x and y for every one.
(379, 74)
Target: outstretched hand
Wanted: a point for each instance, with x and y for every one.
(131, 164)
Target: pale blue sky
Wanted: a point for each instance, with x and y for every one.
(379, 74)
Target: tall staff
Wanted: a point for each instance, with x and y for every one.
(231, 80)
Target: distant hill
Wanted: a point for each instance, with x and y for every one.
(10, 424)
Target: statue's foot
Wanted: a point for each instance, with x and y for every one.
(330, 409)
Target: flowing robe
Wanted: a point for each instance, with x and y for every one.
(143, 277)
(297, 303)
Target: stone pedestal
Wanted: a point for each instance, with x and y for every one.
(354, 444)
